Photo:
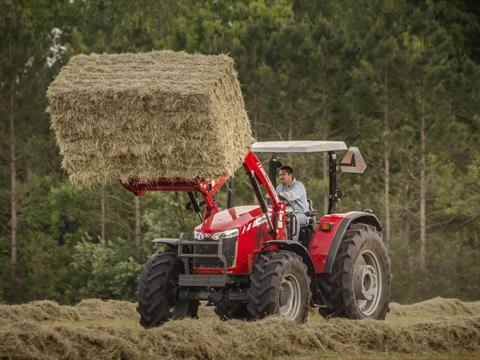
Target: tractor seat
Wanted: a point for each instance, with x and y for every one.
(311, 214)
(307, 229)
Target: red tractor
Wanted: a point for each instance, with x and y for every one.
(241, 259)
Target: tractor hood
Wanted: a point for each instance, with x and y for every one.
(229, 219)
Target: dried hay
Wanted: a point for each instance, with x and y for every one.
(148, 115)
(215, 339)
(92, 309)
(46, 310)
(43, 310)
(120, 337)
(437, 306)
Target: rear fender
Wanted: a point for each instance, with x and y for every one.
(299, 249)
(324, 246)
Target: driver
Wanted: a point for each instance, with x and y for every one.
(293, 191)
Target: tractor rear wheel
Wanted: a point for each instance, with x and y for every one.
(157, 291)
(359, 285)
(279, 284)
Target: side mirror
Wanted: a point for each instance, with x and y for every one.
(353, 162)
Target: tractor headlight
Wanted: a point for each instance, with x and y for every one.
(197, 235)
(225, 234)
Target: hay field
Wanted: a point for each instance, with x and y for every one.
(434, 329)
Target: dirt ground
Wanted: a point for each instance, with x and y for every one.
(434, 329)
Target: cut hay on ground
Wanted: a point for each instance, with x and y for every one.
(112, 332)
(438, 307)
(214, 339)
(45, 310)
(148, 115)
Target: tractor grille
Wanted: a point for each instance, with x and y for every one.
(229, 251)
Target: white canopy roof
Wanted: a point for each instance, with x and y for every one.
(298, 146)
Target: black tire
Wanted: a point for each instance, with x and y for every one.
(157, 292)
(271, 283)
(343, 289)
(231, 311)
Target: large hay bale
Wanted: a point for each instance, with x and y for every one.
(148, 115)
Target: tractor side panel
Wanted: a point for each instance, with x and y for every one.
(253, 237)
(324, 245)
(321, 241)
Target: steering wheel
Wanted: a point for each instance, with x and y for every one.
(287, 202)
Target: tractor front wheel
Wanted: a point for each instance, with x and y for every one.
(279, 285)
(157, 292)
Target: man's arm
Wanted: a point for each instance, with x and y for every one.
(294, 192)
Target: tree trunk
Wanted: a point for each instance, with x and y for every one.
(108, 215)
(103, 201)
(406, 226)
(13, 195)
(290, 129)
(325, 177)
(386, 161)
(180, 213)
(325, 169)
(423, 182)
(138, 230)
(256, 115)
(386, 196)
(255, 126)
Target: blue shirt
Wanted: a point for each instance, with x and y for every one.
(296, 194)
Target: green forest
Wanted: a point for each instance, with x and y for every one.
(399, 79)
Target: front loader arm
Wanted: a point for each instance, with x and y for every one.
(207, 187)
(253, 166)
